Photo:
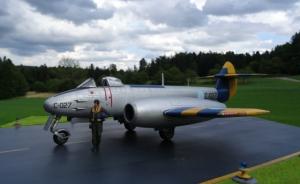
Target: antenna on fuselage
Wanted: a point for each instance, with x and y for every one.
(162, 79)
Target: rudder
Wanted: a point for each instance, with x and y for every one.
(226, 82)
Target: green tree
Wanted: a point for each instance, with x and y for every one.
(215, 69)
(271, 66)
(140, 77)
(53, 85)
(12, 81)
(174, 76)
(68, 62)
(39, 87)
(112, 69)
(143, 64)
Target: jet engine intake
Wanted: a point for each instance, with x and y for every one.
(129, 113)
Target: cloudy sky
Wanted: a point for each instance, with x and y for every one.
(36, 32)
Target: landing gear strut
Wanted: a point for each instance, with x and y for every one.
(166, 133)
(60, 136)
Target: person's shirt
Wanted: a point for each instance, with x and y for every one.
(98, 113)
(95, 112)
(96, 109)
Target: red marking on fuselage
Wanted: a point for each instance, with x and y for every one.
(110, 96)
(105, 93)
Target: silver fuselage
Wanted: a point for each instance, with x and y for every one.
(78, 102)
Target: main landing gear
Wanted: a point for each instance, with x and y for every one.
(130, 127)
(60, 136)
(166, 133)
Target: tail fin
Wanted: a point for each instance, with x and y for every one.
(226, 82)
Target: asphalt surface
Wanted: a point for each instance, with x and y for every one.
(198, 152)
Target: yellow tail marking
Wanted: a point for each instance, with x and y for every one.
(230, 67)
(232, 87)
(191, 111)
(233, 81)
(244, 112)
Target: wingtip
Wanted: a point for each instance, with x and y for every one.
(260, 112)
(266, 111)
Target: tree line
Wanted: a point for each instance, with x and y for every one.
(16, 80)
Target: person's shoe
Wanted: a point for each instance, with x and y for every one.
(95, 149)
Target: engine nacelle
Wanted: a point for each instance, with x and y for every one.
(149, 112)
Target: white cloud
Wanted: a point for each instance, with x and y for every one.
(87, 55)
(199, 3)
(33, 35)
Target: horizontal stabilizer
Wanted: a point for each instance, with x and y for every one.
(213, 112)
(240, 75)
(234, 75)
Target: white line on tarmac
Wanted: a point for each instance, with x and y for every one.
(14, 150)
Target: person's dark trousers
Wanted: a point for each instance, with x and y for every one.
(97, 127)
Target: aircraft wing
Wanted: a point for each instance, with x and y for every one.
(213, 112)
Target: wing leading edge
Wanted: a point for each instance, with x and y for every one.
(213, 112)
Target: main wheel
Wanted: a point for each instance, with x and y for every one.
(167, 133)
(129, 126)
(63, 138)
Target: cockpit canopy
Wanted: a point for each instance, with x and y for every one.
(88, 83)
(106, 81)
(112, 82)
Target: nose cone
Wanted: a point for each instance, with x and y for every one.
(48, 105)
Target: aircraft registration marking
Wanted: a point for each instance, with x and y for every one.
(210, 95)
(62, 105)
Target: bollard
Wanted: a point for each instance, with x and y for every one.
(243, 177)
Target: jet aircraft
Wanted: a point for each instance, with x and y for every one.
(151, 106)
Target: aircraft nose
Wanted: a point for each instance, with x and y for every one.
(48, 105)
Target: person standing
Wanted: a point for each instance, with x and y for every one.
(97, 116)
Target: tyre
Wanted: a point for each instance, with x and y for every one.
(63, 139)
(167, 133)
(129, 126)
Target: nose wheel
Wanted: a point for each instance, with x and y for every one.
(60, 136)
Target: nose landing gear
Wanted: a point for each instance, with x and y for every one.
(60, 136)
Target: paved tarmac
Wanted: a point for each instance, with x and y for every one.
(198, 152)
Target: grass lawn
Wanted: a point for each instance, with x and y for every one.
(31, 120)
(295, 77)
(281, 97)
(287, 171)
(20, 108)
